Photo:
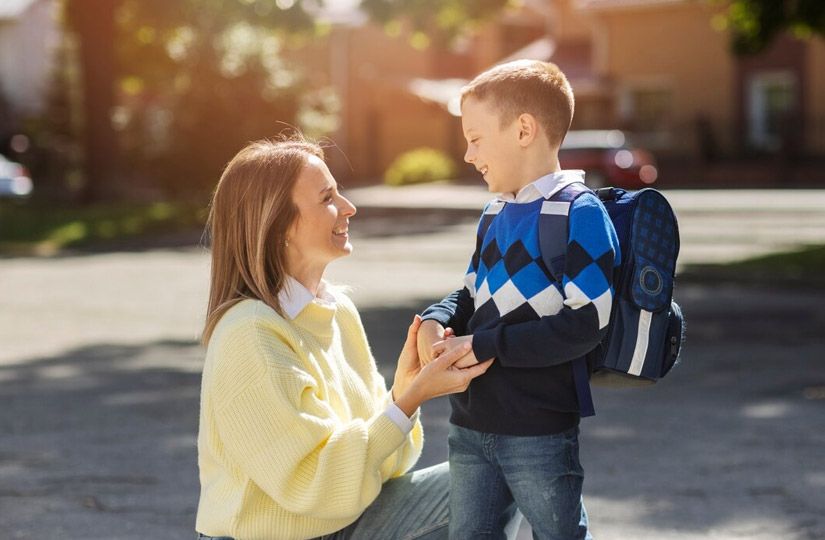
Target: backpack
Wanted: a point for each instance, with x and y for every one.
(646, 328)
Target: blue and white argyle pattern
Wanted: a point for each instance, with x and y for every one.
(509, 280)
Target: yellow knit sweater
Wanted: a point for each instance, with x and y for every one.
(293, 440)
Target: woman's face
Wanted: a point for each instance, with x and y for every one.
(320, 233)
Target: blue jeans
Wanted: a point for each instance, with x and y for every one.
(411, 507)
(493, 476)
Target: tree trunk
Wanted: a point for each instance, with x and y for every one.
(94, 23)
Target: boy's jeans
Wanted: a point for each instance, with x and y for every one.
(492, 475)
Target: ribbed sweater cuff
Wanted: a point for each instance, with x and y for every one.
(385, 438)
(400, 419)
(484, 344)
(438, 315)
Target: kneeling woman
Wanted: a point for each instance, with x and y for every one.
(299, 436)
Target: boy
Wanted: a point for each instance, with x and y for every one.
(514, 432)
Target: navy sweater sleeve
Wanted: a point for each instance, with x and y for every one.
(587, 286)
(456, 309)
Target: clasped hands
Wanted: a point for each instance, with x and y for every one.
(447, 367)
(435, 340)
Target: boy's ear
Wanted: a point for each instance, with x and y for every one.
(528, 128)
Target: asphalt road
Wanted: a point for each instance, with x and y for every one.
(99, 381)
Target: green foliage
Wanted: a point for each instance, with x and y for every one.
(419, 166)
(198, 79)
(755, 23)
(802, 268)
(439, 20)
(37, 227)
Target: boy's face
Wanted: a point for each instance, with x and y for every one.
(494, 151)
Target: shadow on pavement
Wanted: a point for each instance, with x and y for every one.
(99, 442)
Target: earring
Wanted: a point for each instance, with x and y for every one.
(286, 243)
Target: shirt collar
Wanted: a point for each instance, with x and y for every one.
(544, 187)
(294, 297)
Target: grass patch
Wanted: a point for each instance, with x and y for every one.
(804, 267)
(37, 228)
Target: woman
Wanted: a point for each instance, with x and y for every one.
(299, 437)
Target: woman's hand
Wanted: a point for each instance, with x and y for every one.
(414, 384)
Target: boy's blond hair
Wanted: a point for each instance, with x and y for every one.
(527, 86)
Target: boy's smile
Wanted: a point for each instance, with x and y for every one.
(492, 149)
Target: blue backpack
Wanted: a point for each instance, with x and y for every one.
(646, 327)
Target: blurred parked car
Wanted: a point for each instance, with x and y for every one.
(607, 159)
(15, 180)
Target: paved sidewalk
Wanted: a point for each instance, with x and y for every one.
(716, 226)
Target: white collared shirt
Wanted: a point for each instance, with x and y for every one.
(544, 187)
(294, 297)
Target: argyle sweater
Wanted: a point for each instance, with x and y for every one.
(531, 323)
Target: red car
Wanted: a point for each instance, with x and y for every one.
(607, 160)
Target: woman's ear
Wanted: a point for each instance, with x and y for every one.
(528, 128)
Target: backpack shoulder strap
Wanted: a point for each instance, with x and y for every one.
(553, 232)
(553, 226)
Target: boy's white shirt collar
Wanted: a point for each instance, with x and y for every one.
(544, 187)
(294, 297)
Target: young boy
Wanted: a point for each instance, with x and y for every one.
(514, 433)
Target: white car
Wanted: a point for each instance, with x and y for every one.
(15, 180)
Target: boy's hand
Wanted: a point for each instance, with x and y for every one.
(414, 384)
(448, 345)
(429, 333)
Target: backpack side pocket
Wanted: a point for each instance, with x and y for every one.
(675, 338)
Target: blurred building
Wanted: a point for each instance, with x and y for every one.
(29, 34)
(660, 69)
(674, 82)
(396, 97)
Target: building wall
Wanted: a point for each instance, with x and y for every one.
(378, 120)
(668, 54)
(382, 120)
(816, 96)
(569, 23)
(672, 48)
(780, 122)
(412, 124)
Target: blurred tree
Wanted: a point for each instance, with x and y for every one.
(54, 159)
(7, 122)
(755, 23)
(178, 86)
(93, 21)
(439, 20)
(201, 78)
(171, 89)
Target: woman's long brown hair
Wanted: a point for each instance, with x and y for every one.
(250, 215)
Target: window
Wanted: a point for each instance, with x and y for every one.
(772, 100)
(649, 109)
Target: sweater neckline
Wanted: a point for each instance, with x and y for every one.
(317, 318)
